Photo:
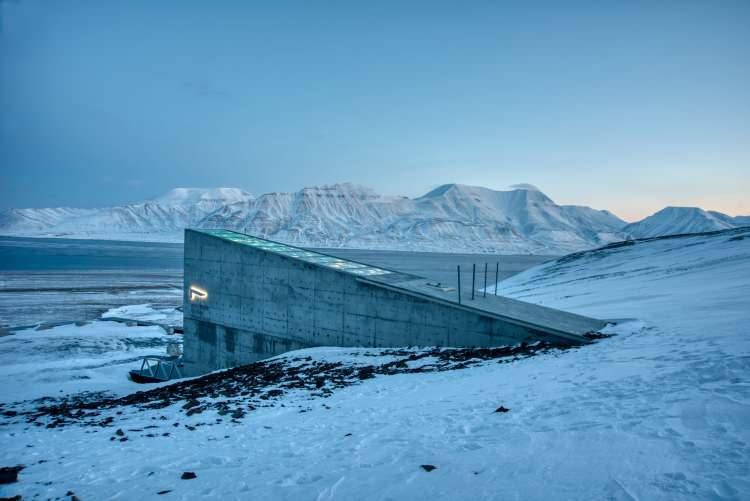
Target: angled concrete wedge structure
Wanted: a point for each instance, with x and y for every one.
(247, 298)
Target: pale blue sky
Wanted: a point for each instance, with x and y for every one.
(628, 106)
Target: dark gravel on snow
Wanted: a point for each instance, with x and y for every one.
(237, 391)
(9, 474)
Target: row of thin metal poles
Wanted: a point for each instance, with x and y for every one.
(474, 277)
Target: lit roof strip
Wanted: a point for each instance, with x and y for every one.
(301, 254)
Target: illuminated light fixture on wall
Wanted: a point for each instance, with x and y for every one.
(197, 294)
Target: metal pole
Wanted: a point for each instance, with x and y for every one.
(497, 274)
(473, 279)
(484, 292)
(458, 269)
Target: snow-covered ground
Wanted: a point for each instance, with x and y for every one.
(696, 287)
(88, 356)
(659, 411)
(147, 312)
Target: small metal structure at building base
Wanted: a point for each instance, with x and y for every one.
(157, 369)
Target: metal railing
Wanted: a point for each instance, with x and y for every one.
(474, 277)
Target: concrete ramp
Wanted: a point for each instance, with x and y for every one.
(567, 326)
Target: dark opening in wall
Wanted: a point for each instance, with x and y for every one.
(207, 332)
(229, 339)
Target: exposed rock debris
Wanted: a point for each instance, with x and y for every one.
(234, 392)
(9, 474)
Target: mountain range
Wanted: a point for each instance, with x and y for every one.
(680, 220)
(450, 218)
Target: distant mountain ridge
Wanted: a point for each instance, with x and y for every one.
(679, 220)
(171, 212)
(450, 218)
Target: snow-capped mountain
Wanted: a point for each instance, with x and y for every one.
(679, 220)
(30, 221)
(450, 218)
(329, 216)
(167, 214)
(207, 200)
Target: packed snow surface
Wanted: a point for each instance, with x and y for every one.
(147, 312)
(91, 356)
(659, 411)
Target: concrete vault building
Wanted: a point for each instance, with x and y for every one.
(247, 299)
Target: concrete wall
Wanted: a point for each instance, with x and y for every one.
(261, 304)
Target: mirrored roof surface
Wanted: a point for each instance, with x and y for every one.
(301, 254)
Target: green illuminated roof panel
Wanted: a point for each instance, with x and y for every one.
(301, 254)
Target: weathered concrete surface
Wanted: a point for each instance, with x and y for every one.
(263, 302)
(551, 321)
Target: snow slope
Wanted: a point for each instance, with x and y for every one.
(687, 377)
(680, 220)
(72, 358)
(707, 273)
(657, 412)
(451, 218)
